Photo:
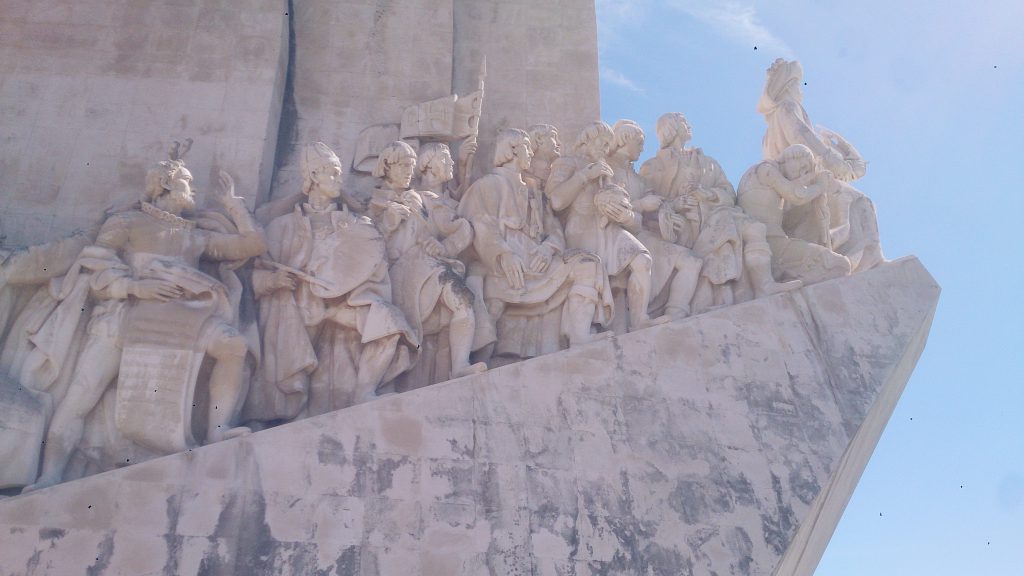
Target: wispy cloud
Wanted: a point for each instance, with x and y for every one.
(619, 79)
(616, 17)
(736, 19)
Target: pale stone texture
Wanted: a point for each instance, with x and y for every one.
(92, 91)
(541, 65)
(725, 443)
(357, 64)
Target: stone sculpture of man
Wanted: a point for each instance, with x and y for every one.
(438, 173)
(767, 187)
(536, 290)
(601, 219)
(546, 148)
(25, 296)
(154, 273)
(853, 227)
(676, 269)
(737, 258)
(424, 238)
(331, 335)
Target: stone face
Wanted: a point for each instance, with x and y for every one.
(726, 442)
(93, 91)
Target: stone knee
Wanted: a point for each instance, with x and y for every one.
(228, 348)
(585, 272)
(641, 264)
(685, 260)
(754, 232)
(458, 298)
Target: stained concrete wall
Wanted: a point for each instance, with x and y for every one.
(726, 443)
(94, 91)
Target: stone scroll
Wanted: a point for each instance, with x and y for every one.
(159, 367)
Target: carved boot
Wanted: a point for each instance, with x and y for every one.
(758, 260)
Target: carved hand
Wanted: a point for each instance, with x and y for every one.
(161, 290)
(433, 248)
(649, 203)
(283, 280)
(226, 193)
(400, 211)
(512, 266)
(466, 149)
(619, 212)
(827, 181)
(596, 170)
(541, 260)
(680, 223)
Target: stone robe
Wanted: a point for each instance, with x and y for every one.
(309, 362)
(586, 228)
(716, 237)
(510, 218)
(418, 278)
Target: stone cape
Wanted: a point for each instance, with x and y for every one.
(727, 442)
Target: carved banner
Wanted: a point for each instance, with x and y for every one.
(161, 359)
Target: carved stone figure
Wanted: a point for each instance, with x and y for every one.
(330, 333)
(25, 299)
(737, 259)
(156, 316)
(437, 172)
(599, 217)
(675, 269)
(424, 237)
(767, 187)
(546, 148)
(853, 222)
(537, 291)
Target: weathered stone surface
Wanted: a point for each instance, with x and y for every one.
(358, 64)
(541, 65)
(92, 91)
(724, 443)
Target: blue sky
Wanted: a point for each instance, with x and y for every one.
(931, 94)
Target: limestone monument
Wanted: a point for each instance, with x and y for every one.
(423, 341)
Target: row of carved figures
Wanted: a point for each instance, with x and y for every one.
(335, 301)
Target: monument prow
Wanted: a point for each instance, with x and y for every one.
(728, 442)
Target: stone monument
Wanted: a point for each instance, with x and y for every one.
(423, 340)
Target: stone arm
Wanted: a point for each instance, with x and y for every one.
(636, 223)
(651, 175)
(797, 131)
(457, 232)
(481, 206)
(714, 182)
(554, 234)
(263, 281)
(37, 264)
(248, 243)
(564, 184)
(792, 191)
